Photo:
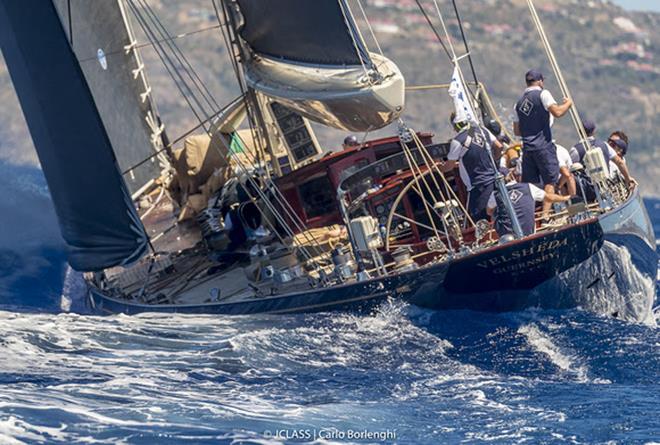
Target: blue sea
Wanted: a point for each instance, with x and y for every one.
(398, 375)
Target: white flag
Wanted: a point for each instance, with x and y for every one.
(464, 110)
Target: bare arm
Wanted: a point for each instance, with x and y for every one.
(516, 129)
(553, 197)
(448, 166)
(559, 110)
(623, 168)
(568, 179)
(497, 150)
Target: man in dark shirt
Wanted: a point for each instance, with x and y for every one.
(469, 150)
(534, 117)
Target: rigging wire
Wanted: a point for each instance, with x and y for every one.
(465, 42)
(282, 201)
(149, 45)
(181, 83)
(558, 73)
(371, 30)
(435, 31)
(348, 19)
(455, 60)
(173, 143)
(181, 58)
(165, 59)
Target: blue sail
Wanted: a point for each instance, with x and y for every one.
(318, 31)
(97, 218)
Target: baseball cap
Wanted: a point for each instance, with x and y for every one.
(533, 75)
(589, 126)
(621, 145)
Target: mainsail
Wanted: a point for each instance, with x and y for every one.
(310, 56)
(101, 37)
(96, 215)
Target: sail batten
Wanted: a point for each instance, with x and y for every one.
(97, 218)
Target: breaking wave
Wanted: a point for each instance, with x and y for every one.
(427, 377)
(433, 376)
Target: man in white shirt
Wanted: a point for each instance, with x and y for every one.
(565, 179)
(618, 140)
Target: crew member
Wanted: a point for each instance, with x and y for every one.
(533, 118)
(496, 129)
(618, 140)
(523, 197)
(565, 181)
(470, 151)
(350, 141)
(615, 136)
(579, 150)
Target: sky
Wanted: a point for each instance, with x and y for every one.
(641, 5)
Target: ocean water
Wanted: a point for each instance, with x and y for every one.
(398, 375)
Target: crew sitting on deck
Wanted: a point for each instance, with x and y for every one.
(534, 114)
(579, 150)
(470, 151)
(523, 197)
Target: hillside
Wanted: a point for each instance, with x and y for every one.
(609, 57)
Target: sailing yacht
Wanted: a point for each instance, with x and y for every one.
(251, 215)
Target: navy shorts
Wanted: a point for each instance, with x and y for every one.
(478, 201)
(541, 166)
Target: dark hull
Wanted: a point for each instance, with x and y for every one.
(607, 265)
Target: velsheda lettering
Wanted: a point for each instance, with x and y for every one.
(520, 254)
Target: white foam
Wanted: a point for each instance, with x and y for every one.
(544, 344)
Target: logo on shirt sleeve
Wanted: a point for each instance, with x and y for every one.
(526, 107)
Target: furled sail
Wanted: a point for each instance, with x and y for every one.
(101, 37)
(310, 56)
(97, 218)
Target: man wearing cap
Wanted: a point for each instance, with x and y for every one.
(618, 140)
(469, 150)
(350, 141)
(533, 118)
(579, 150)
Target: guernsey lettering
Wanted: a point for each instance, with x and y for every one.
(517, 255)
